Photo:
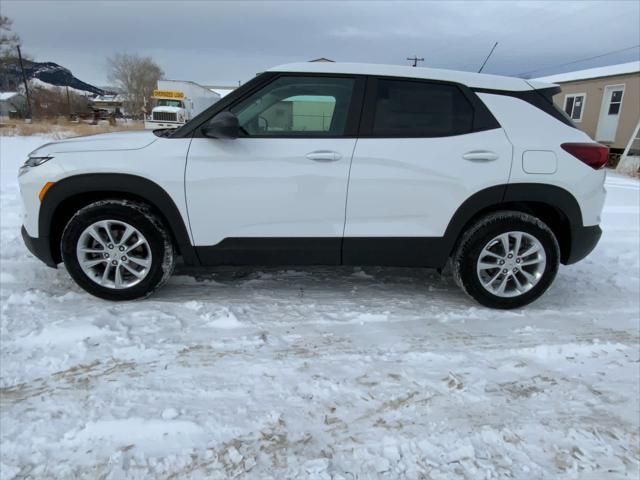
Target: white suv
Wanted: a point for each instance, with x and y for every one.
(332, 164)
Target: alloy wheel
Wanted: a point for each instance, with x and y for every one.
(114, 254)
(511, 264)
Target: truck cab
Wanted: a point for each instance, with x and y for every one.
(177, 102)
(169, 110)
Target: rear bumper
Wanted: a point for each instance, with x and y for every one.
(39, 247)
(583, 241)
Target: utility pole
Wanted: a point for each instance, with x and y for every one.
(26, 86)
(415, 60)
(487, 59)
(68, 103)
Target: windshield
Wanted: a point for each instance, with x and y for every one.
(163, 102)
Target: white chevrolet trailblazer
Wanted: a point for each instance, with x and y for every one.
(329, 164)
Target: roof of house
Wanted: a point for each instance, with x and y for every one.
(118, 97)
(607, 71)
(223, 92)
(471, 79)
(8, 95)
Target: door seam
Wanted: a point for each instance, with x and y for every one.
(346, 200)
(186, 201)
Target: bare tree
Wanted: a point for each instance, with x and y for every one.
(51, 102)
(8, 39)
(9, 67)
(137, 76)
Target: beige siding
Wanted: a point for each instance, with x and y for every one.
(594, 89)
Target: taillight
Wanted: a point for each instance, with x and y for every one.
(593, 154)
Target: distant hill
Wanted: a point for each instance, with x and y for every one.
(47, 72)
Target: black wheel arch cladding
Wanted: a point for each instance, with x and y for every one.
(96, 186)
(525, 196)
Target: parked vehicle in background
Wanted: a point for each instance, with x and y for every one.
(177, 102)
(479, 171)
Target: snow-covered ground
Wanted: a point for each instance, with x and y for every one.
(320, 372)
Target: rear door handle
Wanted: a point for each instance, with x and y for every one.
(324, 156)
(481, 155)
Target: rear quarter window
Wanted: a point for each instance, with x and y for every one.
(541, 98)
(559, 111)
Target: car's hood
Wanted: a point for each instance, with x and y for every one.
(102, 142)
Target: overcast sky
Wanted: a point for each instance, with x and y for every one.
(214, 42)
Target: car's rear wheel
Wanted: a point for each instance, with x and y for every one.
(506, 260)
(117, 250)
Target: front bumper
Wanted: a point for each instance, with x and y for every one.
(156, 124)
(583, 241)
(39, 247)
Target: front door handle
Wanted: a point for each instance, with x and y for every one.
(481, 155)
(324, 156)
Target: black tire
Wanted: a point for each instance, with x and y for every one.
(465, 258)
(139, 216)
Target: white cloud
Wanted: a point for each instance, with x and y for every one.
(223, 42)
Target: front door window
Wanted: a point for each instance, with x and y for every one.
(297, 106)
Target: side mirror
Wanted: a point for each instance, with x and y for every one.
(223, 125)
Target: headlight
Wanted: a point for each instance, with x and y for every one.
(33, 162)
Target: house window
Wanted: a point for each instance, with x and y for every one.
(574, 106)
(616, 100)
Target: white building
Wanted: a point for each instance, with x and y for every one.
(12, 104)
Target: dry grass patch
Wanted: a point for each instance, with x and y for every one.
(63, 128)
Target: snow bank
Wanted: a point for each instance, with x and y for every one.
(319, 372)
(629, 165)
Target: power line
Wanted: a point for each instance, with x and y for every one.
(577, 61)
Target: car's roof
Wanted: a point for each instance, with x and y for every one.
(471, 79)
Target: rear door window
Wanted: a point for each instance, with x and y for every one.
(405, 108)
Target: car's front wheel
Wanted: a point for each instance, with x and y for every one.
(506, 260)
(117, 250)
